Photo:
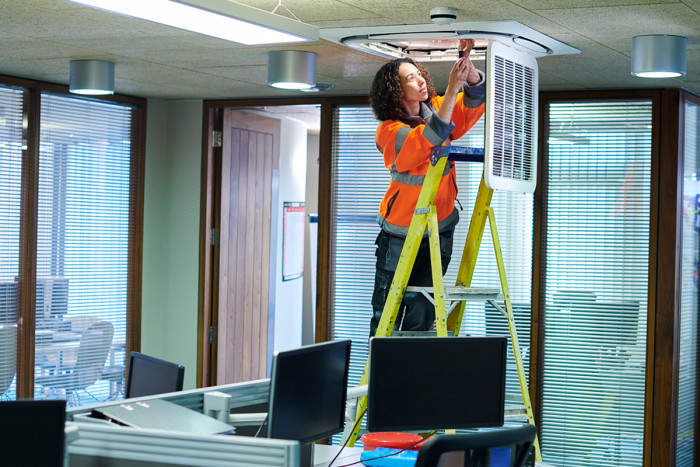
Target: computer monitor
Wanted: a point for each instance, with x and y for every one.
(32, 432)
(308, 391)
(149, 375)
(434, 383)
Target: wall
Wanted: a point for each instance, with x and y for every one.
(171, 233)
(288, 302)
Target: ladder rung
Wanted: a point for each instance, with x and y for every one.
(461, 293)
(429, 333)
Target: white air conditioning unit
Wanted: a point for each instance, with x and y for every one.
(510, 146)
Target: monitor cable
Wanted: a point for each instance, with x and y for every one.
(261, 426)
(354, 427)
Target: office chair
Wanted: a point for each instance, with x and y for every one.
(8, 356)
(477, 445)
(93, 350)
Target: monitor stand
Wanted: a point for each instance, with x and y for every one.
(306, 454)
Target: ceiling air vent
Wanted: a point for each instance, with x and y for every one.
(510, 146)
(434, 42)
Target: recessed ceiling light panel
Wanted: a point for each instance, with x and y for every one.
(217, 18)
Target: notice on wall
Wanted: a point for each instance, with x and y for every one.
(293, 240)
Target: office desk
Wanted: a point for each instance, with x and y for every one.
(324, 454)
(119, 446)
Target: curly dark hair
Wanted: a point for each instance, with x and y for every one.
(386, 92)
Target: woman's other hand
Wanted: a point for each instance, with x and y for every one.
(466, 45)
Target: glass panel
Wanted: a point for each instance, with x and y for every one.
(82, 253)
(359, 182)
(597, 259)
(688, 365)
(11, 149)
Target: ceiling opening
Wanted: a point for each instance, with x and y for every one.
(433, 42)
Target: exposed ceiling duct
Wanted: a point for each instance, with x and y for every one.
(434, 42)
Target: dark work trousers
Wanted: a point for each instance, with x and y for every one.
(416, 313)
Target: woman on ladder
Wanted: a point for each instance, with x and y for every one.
(414, 119)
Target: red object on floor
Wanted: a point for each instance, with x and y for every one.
(389, 439)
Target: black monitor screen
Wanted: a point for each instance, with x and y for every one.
(148, 376)
(32, 432)
(433, 383)
(308, 391)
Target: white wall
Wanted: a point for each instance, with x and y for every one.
(288, 304)
(309, 322)
(172, 190)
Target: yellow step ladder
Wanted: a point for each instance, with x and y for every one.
(425, 216)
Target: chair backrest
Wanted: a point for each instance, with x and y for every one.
(477, 445)
(95, 342)
(8, 355)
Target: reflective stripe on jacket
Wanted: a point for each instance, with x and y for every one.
(406, 144)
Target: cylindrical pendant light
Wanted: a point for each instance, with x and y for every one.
(658, 56)
(291, 69)
(91, 77)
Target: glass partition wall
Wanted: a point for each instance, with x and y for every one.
(69, 204)
(11, 148)
(359, 182)
(581, 260)
(690, 275)
(596, 252)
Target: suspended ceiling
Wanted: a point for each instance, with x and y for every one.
(40, 37)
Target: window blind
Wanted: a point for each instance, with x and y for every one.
(82, 248)
(597, 253)
(11, 145)
(688, 339)
(359, 182)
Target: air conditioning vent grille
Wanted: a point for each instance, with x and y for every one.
(511, 120)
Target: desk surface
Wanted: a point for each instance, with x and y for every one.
(324, 454)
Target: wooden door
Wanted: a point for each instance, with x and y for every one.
(250, 155)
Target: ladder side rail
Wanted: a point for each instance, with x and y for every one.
(436, 269)
(410, 247)
(511, 327)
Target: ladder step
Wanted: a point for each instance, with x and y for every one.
(457, 153)
(461, 293)
(429, 333)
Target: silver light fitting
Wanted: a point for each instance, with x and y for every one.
(91, 77)
(291, 69)
(658, 56)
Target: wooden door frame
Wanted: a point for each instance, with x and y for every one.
(209, 219)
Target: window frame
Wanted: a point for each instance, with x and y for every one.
(662, 353)
(26, 312)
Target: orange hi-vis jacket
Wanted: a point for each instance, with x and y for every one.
(406, 145)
